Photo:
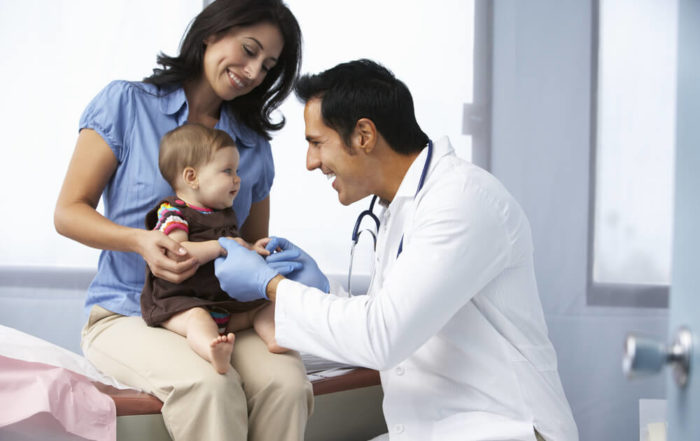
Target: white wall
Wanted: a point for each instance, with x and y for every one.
(428, 45)
(57, 54)
(541, 151)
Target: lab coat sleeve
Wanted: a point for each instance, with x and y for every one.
(455, 244)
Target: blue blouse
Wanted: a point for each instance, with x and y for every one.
(132, 117)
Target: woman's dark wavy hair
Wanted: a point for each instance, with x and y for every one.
(255, 108)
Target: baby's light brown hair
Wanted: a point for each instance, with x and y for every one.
(190, 145)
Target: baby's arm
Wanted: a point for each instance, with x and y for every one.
(202, 251)
(171, 222)
(258, 247)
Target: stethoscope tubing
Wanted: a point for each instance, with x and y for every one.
(370, 212)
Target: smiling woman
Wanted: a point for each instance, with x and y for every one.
(227, 59)
(123, 44)
(117, 158)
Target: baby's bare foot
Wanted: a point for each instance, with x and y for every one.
(221, 349)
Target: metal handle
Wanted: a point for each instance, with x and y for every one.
(645, 356)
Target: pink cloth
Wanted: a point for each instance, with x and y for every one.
(54, 399)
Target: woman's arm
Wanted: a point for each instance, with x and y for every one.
(92, 165)
(257, 224)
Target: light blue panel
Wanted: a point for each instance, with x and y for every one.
(542, 78)
(51, 306)
(55, 315)
(589, 349)
(684, 404)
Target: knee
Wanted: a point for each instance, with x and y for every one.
(274, 348)
(292, 391)
(209, 383)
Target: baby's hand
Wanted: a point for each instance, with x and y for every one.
(240, 241)
(259, 246)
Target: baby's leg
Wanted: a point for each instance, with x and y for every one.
(203, 336)
(263, 320)
(264, 324)
(239, 321)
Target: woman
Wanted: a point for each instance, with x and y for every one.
(237, 62)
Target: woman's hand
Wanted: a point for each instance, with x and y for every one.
(166, 258)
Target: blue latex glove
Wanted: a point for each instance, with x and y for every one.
(308, 274)
(243, 273)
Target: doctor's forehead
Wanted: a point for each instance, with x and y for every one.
(313, 120)
(312, 109)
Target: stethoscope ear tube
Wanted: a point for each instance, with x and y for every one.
(352, 253)
(368, 212)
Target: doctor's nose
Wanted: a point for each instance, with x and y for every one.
(312, 159)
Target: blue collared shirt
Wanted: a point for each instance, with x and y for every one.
(132, 117)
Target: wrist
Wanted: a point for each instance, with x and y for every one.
(271, 289)
(133, 239)
(203, 251)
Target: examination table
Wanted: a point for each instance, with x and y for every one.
(48, 304)
(347, 407)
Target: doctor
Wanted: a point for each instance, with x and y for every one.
(452, 319)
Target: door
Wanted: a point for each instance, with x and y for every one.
(684, 402)
(683, 352)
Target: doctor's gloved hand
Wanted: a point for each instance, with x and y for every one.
(308, 273)
(242, 273)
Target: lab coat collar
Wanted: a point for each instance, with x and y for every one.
(410, 181)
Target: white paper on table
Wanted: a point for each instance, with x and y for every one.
(18, 345)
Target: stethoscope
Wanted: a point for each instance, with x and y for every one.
(356, 232)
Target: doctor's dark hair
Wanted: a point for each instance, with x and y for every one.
(254, 109)
(365, 89)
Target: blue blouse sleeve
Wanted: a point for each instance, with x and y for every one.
(261, 189)
(110, 114)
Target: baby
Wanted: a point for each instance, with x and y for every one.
(201, 165)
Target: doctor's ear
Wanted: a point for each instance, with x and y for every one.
(189, 175)
(364, 136)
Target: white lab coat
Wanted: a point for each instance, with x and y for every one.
(454, 324)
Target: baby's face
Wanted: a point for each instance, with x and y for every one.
(218, 179)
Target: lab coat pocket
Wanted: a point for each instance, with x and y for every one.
(544, 395)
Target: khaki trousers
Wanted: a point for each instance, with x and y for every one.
(265, 397)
